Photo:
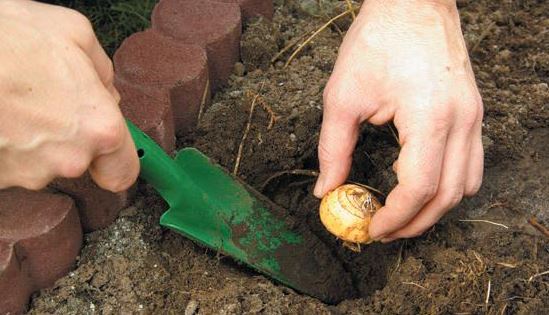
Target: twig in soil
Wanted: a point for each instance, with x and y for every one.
(203, 101)
(503, 309)
(538, 226)
(538, 275)
(244, 136)
(312, 173)
(399, 260)
(507, 265)
(261, 101)
(486, 221)
(495, 205)
(488, 292)
(482, 36)
(290, 45)
(351, 8)
(302, 182)
(415, 284)
(482, 264)
(318, 31)
(517, 297)
(370, 159)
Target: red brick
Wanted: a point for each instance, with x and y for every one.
(214, 25)
(97, 207)
(15, 286)
(45, 229)
(158, 63)
(253, 8)
(149, 111)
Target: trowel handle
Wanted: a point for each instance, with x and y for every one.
(157, 167)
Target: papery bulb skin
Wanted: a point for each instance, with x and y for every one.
(347, 211)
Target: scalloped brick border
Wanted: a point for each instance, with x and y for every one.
(165, 76)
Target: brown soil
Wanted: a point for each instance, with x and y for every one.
(136, 266)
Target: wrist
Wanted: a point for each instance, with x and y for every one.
(414, 6)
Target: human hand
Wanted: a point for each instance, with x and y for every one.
(406, 61)
(59, 110)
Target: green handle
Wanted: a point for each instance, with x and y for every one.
(157, 167)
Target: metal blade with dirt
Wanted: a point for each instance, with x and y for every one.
(217, 210)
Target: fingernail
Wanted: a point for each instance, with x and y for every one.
(377, 238)
(388, 239)
(319, 186)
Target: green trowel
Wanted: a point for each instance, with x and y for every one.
(217, 210)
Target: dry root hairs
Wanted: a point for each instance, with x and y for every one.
(311, 173)
(318, 31)
(486, 221)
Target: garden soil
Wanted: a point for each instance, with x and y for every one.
(458, 267)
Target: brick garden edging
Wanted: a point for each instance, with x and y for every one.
(146, 60)
(165, 76)
(215, 26)
(41, 236)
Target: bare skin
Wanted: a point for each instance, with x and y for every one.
(59, 108)
(402, 60)
(406, 61)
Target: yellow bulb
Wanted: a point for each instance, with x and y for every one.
(346, 212)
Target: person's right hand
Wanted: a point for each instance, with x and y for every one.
(406, 61)
(59, 112)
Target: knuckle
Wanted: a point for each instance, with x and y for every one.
(81, 26)
(118, 184)
(425, 191)
(473, 188)
(109, 79)
(108, 135)
(36, 184)
(110, 72)
(79, 20)
(73, 168)
(452, 198)
(331, 96)
(471, 117)
(325, 154)
(473, 112)
(335, 97)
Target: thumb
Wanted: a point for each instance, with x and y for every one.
(338, 137)
(118, 170)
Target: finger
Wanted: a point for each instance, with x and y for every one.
(83, 35)
(117, 171)
(78, 28)
(395, 166)
(476, 164)
(338, 137)
(419, 166)
(102, 63)
(450, 189)
(29, 171)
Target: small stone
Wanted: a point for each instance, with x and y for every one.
(293, 137)
(235, 93)
(191, 308)
(239, 69)
(505, 55)
(128, 212)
